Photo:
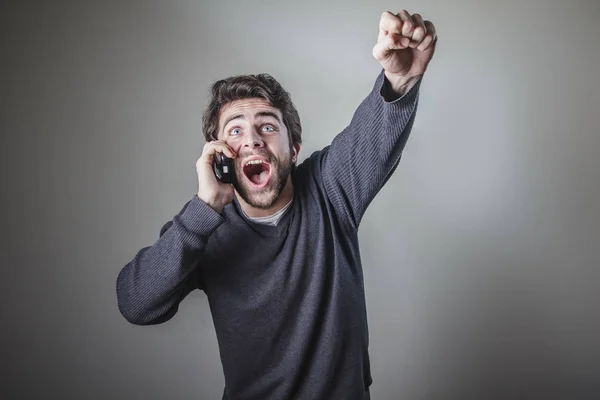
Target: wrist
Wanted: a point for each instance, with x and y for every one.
(400, 84)
(215, 205)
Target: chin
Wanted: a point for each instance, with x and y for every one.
(262, 201)
(261, 197)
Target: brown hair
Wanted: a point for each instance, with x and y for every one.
(262, 86)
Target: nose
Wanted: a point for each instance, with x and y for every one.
(254, 141)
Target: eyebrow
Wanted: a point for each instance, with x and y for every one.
(258, 114)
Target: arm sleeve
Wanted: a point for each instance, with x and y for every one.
(362, 157)
(151, 286)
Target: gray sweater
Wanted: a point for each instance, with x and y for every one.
(287, 301)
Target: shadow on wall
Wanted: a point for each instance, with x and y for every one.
(500, 333)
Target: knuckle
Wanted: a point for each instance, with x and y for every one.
(209, 149)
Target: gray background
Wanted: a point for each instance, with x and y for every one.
(480, 255)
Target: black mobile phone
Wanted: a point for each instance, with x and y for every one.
(223, 167)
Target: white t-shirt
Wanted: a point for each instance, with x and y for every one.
(272, 219)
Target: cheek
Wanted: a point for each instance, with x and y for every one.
(283, 152)
(235, 144)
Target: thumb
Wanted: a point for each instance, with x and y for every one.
(387, 44)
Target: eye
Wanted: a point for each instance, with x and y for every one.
(268, 128)
(235, 131)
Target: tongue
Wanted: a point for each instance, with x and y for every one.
(259, 179)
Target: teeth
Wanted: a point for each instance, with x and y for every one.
(254, 162)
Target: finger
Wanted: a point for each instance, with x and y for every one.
(407, 23)
(218, 146)
(430, 37)
(390, 24)
(426, 43)
(419, 31)
(389, 43)
(431, 29)
(404, 41)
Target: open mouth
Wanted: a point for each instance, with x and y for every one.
(258, 172)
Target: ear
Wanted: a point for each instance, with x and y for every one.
(295, 152)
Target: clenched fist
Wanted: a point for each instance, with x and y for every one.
(404, 48)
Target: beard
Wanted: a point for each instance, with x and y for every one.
(262, 198)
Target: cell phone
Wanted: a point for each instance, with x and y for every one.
(223, 167)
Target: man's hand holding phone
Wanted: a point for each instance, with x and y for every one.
(210, 190)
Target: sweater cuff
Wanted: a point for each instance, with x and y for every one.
(384, 88)
(200, 218)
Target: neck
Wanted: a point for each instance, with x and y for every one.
(286, 195)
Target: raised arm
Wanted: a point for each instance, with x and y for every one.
(362, 157)
(151, 286)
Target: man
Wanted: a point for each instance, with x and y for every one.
(277, 252)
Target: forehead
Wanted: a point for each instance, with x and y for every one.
(247, 108)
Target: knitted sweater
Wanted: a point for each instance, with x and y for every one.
(287, 301)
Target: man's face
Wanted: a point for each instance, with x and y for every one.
(255, 131)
